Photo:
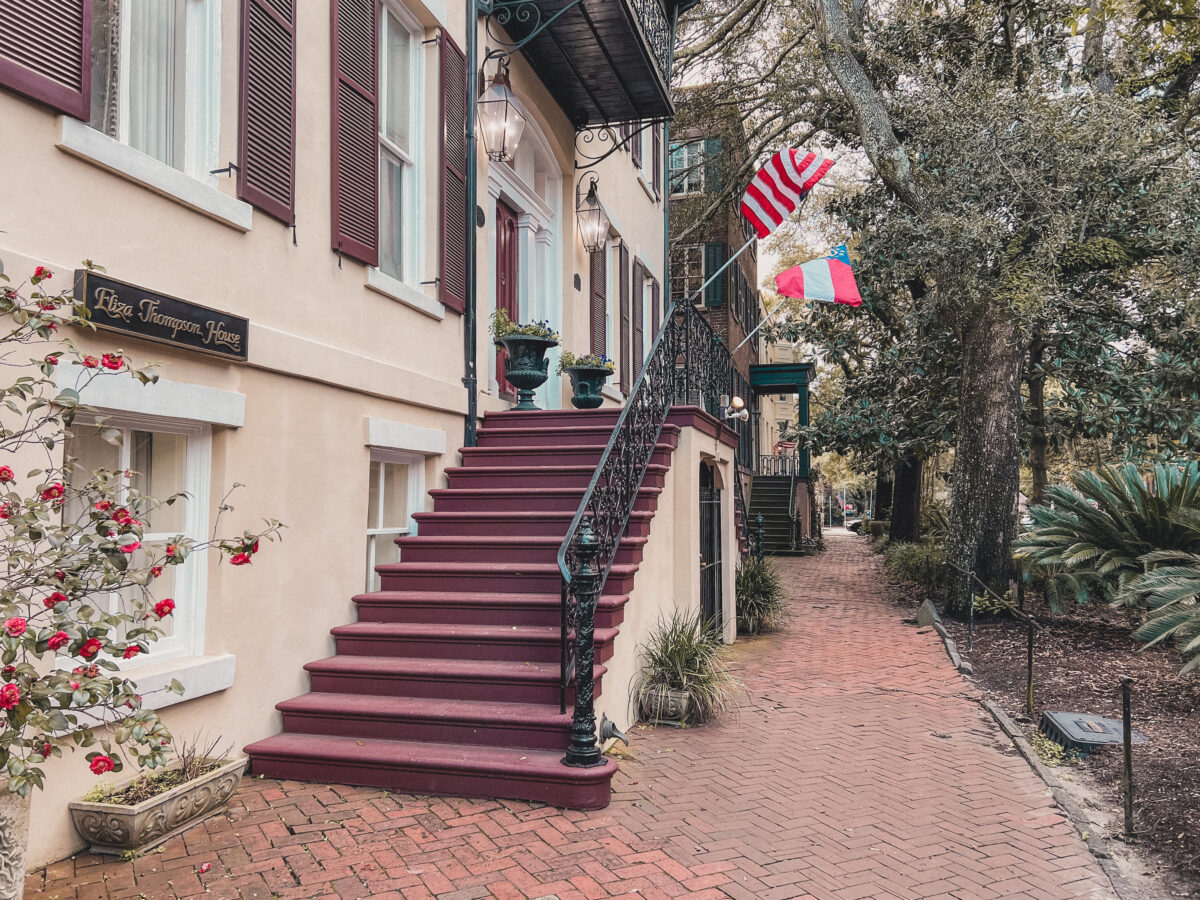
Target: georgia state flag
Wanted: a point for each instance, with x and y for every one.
(828, 280)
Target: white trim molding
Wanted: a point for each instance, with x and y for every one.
(172, 399)
(85, 142)
(383, 283)
(387, 435)
(199, 675)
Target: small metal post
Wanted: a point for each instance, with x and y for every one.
(1020, 592)
(583, 751)
(1127, 736)
(971, 613)
(1029, 670)
(758, 550)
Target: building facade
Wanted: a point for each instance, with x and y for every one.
(299, 171)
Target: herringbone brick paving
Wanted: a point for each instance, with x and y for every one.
(859, 766)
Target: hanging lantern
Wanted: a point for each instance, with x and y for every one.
(593, 220)
(500, 117)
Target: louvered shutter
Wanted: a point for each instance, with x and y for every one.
(355, 129)
(714, 258)
(598, 290)
(623, 336)
(45, 52)
(713, 173)
(267, 107)
(655, 309)
(452, 168)
(637, 349)
(657, 159)
(635, 144)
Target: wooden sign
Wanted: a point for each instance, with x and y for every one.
(120, 306)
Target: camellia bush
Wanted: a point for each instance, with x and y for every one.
(77, 597)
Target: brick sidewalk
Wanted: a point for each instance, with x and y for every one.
(859, 766)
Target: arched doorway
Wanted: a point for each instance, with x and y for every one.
(711, 562)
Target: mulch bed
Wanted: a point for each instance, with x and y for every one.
(1079, 658)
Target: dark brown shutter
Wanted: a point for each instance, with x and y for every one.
(598, 290)
(45, 52)
(635, 144)
(355, 129)
(267, 107)
(623, 335)
(655, 308)
(657, 160)
(452, 178)
(637, 349)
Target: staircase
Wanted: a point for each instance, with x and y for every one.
(449, 682)
(770, 498)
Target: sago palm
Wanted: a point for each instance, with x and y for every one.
(1170, 588)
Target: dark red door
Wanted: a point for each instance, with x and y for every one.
(506, 282)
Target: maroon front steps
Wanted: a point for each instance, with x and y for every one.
(448, 682)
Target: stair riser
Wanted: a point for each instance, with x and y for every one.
(518, 553)
(426, 648)
(448, 783)
(487, 734)
(530, 501)
(494, 613)
(430, 525)
(550, 456)
(505, 582)
(476, 480)
(441, 688)
(550, 418)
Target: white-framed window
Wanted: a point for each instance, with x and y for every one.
(401, 88)
(687, 168)
(687, 271)
(164, 457)
(395, 490)
(156, 79)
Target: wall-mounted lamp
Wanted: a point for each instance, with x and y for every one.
(735, 408)
(593, 220)
(500, 117)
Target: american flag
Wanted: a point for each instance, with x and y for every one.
(780, 185)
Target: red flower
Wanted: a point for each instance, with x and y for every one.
(47, 307)
(239, 559)
(53, 360)
(7, 510)
(58, 639)
(171, 548)
(90, 648)
(132, 650)
(254, 549)
(10, 696)
(112, 361)
(156, 571)
(6, 474)
(42, 273)
(101, 764)
(129, 548)
(75, 684)
(60, 575)
(54, 492)
(51, 326)
(8, 670)
(104, 505)
(15, 626)
(164, 608)
(47, 748)
(54, 599)
(90, 362)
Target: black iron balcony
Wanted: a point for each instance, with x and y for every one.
(604, 61)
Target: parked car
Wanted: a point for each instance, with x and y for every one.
(854, 524)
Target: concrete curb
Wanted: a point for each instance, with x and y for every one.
(1097, 844)
(964, 668)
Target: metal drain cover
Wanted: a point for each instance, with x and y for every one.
(1082, 732)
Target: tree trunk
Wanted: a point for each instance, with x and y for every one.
(986, 474)
(906, 502)
(1038, 439)
(883, 494)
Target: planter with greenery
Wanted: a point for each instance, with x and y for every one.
(760, 600)
(588, 374)
(79, 596)
(526, 366)
(684, 681)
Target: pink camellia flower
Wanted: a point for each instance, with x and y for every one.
(90, 362)
(53, 360)
(101, 764)
(54, 492)
(254, 547)
(42, 273)
(164, 608)
(171, 548)
(74, 685)
(239, 559)
(90, 648)
(129, 548)
(60, 575)
(6, 475)
(104, 505)
(50, 326)
(54, 599)
(112, 361)
(7, 510)
(15, 626)
(46, 750)
(155, 571)
(10, 696)
(131, 651)
(47, 307)
(58, 639)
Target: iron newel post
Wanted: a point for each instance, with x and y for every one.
(584, 752)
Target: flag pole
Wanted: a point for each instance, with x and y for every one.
(765, 320)
(714, 275)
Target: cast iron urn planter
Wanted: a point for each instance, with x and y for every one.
(526, 367)
(586, 384)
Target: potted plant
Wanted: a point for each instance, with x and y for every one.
(684, 681)
(72, 541)
(526, 366)
(588, 374)
(139, 814)
(760, 598)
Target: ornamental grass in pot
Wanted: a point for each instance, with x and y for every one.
(760, 598)
(525, 365)
(588, 374)
(684, 680)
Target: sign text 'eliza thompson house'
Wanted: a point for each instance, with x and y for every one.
(120, 306)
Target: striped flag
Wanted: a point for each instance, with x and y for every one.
(780, 185)
(829, 280)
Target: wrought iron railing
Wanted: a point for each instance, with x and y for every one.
(687, 364)
(741, 516)
(777, 465)
(657, 30)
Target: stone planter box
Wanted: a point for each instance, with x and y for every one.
(660, 705)
(115, 828)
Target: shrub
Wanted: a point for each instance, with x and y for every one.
(759, 591)
(683, 653)
(923, 563)
(1171, 589)
(503, 326)
(567, 360)
(935, 522)
(878, 529)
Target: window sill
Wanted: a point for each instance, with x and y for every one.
(199, 675)
(647, 187)
(612, 393)
(396, 289)
(85, 142)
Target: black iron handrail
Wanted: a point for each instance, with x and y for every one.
(792, 498)
(741, 516)
(688, 363)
